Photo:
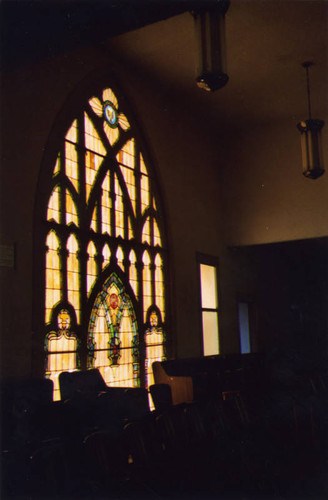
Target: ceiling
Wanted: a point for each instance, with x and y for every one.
(267, 40)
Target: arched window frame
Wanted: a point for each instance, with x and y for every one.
(47, 182)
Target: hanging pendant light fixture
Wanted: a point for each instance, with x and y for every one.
(310, 129)
(210, 41)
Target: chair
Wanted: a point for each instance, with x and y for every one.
(81, 382)
(162, 396)
(181, 387)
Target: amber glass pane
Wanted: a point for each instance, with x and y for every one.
(145, 198)
(120, 375)
(210, 333)
(53, 206)
(71, 214)
(108, 95)
(146, 238)
(73, 274)
(61, 357)
(105, 206)
(71, 167)
(91, 266)
(154, 352)
(120, 257)
(146, 275)
(72, 133)
(126, 154)
(159, 285)
(94, 154)
(128, 175)
(157, 236)
(106, 256)
(130, 229)
(144, 193)
(96, 106)
(52, 274)
(57, 165)
(71, 163)
(133, 277)
(92, 139)
(123, 121)
(92, 163)
(143, 168)
(112, 133)
(119, 210)
(93, 224)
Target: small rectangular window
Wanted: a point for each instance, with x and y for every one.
(209, 305)
(244, 327)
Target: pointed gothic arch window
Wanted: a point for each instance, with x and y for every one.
(105, 259)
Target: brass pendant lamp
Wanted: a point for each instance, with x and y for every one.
(312, 158)
(210, 41)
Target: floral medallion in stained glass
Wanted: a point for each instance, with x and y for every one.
(110, 114)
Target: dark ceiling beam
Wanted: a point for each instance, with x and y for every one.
(35, 29)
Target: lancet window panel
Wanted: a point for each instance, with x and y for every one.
(61, 348)
(103, 251)
(154, 340)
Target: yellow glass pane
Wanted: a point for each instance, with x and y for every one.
(210, 333)
(71, 166)
(111, 133)
(129, 178)
(93, 224)
(120, 257)
(72, 133)
(146, 232)
(106, 256)
(52, 295)
(53, 205)
(96, 106)
(108, 95)
(145, 198)
(101, 332)
(146, 278)
(121, 375)
(91, 267)
(130, 229)
(157, 236)
(119, 210)
(62, 357)
(71, 214)
(154, 352)
(127, 154)
(92, 139)
(133, 277)
(208, 286)
(57, 165)
(105, 206)
(92, 163)
(143, 168)
(126, 331)
(73, 274)
(159, 285)
(123, 121)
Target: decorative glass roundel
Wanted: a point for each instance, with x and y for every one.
(110, 113)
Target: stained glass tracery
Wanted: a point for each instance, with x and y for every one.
(104, 251)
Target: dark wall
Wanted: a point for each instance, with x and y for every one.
(288, 283)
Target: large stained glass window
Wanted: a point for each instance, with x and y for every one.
(105, 261)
